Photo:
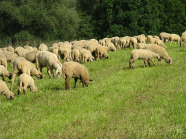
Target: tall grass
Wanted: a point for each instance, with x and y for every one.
(120, 102)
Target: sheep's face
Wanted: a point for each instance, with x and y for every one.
(58, 72)
(11, 96)
(34, 90)
(170, 61)
(40, 75)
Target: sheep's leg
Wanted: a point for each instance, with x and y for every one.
(25, 88)
(19, 87)
(13, 78)
(52, 73)
(48, 71)
(153, 62)
(145, 63)
(4, 78)
(148, 61)
(75, 79)
(67, 83)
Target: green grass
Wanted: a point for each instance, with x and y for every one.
(120, 103)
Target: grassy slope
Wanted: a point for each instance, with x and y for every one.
(142, 102)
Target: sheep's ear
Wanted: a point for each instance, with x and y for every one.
(90, 80)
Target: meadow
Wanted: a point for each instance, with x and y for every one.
(119, 103)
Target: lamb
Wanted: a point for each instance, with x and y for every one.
(75, 55)
(26, 81)
(21, 65)
(10, 57)
(31, 56)
(49, 60)
(43, 47)
(144, 54)
(101, 52)
(4, 73)
(161, 51)
(3, 60)
(164, 36)
(5, 91)
(77, 71)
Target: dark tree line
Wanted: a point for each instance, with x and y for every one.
(49, 20)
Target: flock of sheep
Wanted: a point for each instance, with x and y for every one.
(22, 59)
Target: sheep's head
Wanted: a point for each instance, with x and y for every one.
(170, 61)
(87, 82)
(10, 96)
(39, 75)
(34, 89)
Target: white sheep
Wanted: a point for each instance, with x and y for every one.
(143, 54)
(4, 73)
(5, 91)
(161, 51)
(10, 57)
(21, 65)
(183, 39)
(50, 61)
(3, 60)
(20, 51)
(26, 81)
(43, 47)
(75, 55)
(77, 71)
(31, 56)
(86, 56)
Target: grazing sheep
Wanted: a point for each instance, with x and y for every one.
(141, 38)
(4, 73)
(28, 47)
(26, 81)
(64, 51)
(110, 46)
(160, 43)
(10, 57)
(10, 49)
(20, 51)
(101, 52)
(149, 38)
(144, 54)
(77, 71)
(86, 56)
(133, 42)
(43, 47)
(102, 42)
(5, 91)
(21, 65)
(156, 37)
(183, 39)
(3, 60)
(75, 55)
(115, 41)
(122, 42)
(161, 51)
(140, 45)
(164, 36)
(49, 60)
(31, 56)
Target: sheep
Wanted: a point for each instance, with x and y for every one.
(160, 43)
(110, 46)
(4, 73)
(43, 47)
(140, 45)
(183, 39)
(133, 42)
(115, 41)
(28, 47)
(161, 51)
(149, 38)
(122, 42)
(10, 57)
(77, 71)
(3, 60)
(86, 56)
(31, 56)
(102, 42)
(164, 36)
(101, 52)
(5, 91)
(75, 55)
(26, 81)
(144, 54)
(49, 60)
(156, 37)
(54, 50)
(21, 65)
(20, 51)
(64, 51)
(141, 38)
(10, 49)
